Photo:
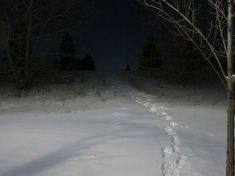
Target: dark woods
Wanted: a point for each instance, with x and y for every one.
(68, 60)
(25, 25)
(23, 28)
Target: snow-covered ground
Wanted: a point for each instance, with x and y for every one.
(102, 126)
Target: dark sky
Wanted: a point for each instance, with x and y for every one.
(115, 34)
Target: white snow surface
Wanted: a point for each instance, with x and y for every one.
(112, 130)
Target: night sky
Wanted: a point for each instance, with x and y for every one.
(114, 34)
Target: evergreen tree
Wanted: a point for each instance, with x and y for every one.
(67, 54)
(151, 57)
(87, 63)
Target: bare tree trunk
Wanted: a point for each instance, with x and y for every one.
(211, 44)
(230, 80)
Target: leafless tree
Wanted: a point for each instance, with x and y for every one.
(212, 37)
(24, 22)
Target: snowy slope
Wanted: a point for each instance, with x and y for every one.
(112, 129)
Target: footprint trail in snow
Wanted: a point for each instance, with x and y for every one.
(173, 159)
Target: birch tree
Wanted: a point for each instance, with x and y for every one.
(208, 25)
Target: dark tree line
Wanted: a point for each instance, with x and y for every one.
(23, 25)
(13, 69)
(184, 65)
(68, 59)
(151, 57)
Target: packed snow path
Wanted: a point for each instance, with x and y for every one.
(114, 130)
(172, 158)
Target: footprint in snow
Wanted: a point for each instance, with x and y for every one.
(169, 131)
(147, 104)
(156, 109)
(149, 99)
(168, 118)
(164, 113)
(137, 101)
(173, 124)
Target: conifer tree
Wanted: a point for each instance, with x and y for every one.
(87, 63)
(67, 54)
(151, 57)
